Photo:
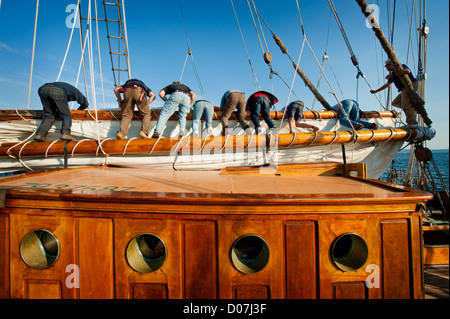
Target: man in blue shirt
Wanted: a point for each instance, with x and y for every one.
(403, 100)
(55, 99)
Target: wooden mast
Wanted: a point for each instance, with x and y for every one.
(417, 102)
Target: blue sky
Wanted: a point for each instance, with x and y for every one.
(158, 49)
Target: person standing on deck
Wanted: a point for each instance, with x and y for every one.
(202, 107)
(403, 100)
(55, 99)
(351, 108)
(294, 113)
(258, 103)
(231, 100)
(175, 96)
(134, 93)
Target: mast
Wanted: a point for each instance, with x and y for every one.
(417, 102)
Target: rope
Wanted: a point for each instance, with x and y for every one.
(32, 55)
(196, 74)
(99, 55)
(347, 42)
(126, 39)
(70, 41)
(255, 79)
(277, 40)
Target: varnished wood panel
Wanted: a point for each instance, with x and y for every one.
(301, 260)
(95, 258)
(200, 263)
(43, 290)
(4, 256)
(350, 290)
(149, 291)
(396, 275)
(251, 292)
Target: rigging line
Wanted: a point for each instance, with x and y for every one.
(353, 56)
(32, 55)
(196, 74)
(126, 40)
(92, 75)
(70, 41)
(393, 23)
(269, 64)
(256, 28)
(255, 79)
(99, 55)
(259, 23)
(83, 45)
(184, 66)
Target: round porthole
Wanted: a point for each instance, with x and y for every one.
(250, 254)
(349, 252)
(146, 253)
(39, 249)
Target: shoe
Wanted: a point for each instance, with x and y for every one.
(259, 130)
(210, 131)
(119, 136)
(373, 126)
(40, 138)
(182, 133)
(155, 135)
(67, 137)
(226, 131)
(142, 135)
(358, 126)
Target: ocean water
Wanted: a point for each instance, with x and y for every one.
(441, 158)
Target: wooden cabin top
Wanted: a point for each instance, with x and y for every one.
(287, 184)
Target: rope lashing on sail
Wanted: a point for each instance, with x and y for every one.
(416, 101)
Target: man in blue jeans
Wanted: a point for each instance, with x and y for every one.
(351, 108)
(260, 103)
(179, 97)
(55, 99)
(202, 107)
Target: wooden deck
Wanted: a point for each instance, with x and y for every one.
(436, 282)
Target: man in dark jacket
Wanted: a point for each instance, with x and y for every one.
(260, 103)
(55, 99)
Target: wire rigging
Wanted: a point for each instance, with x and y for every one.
(350, 49)
(189, 54)
(255, 78)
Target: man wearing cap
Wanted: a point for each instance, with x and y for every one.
(403, 100)
(135, 92)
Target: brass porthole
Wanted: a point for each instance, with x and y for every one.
(250, 254)
(349, 252)
(39, 249)
(146, 253)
